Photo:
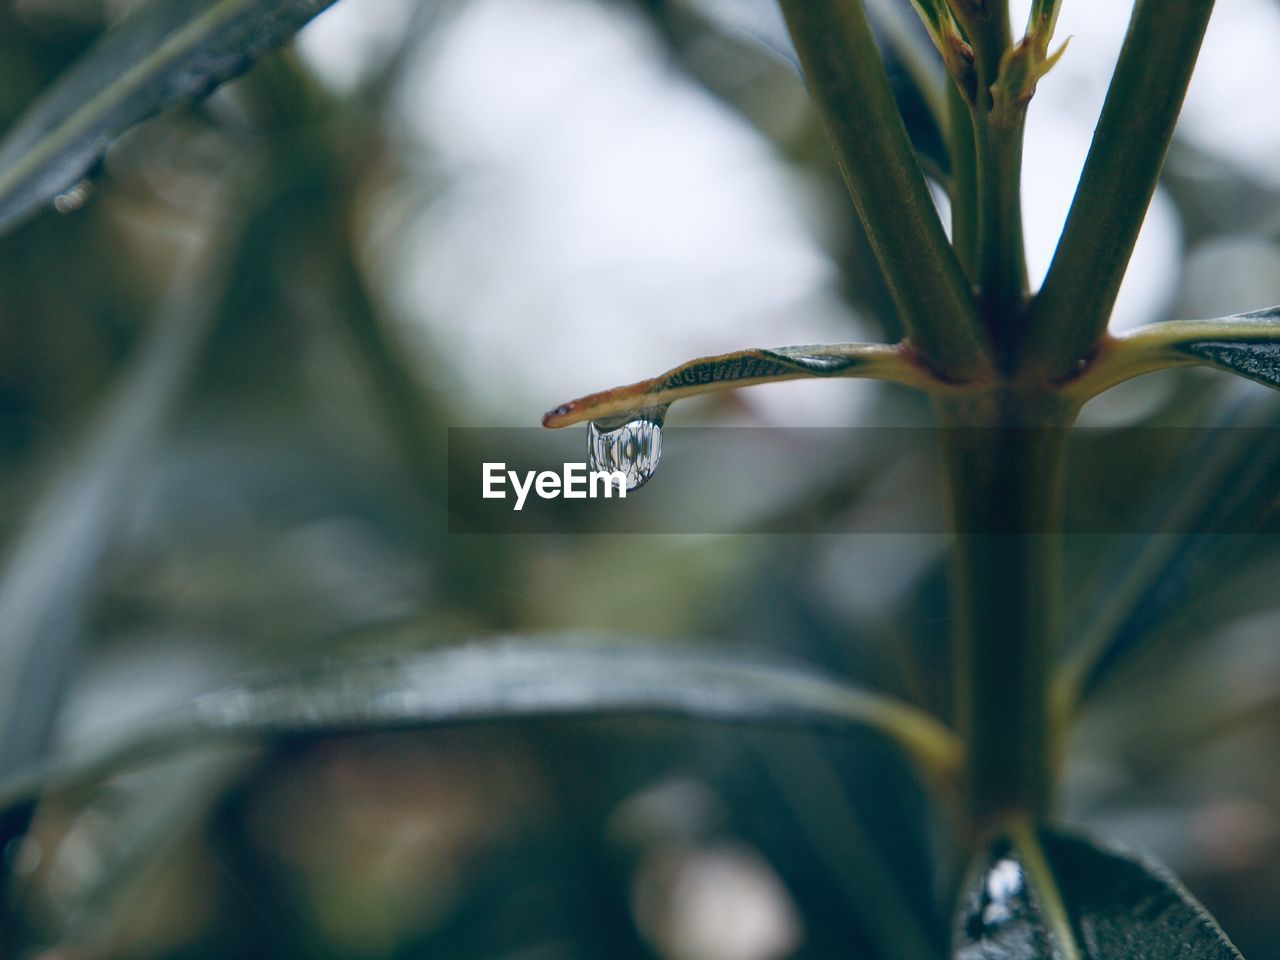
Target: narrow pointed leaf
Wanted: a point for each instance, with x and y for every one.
(1226, 476)
(47, 580)
(1259, 362)
(742, 368)
(1045, 895)
(1246, 344)
(168, 52)
(513, 679)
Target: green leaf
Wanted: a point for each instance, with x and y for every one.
(50, 573)
(1022, 68)
(1246, 344)
(1044, 895)
(1224, 477)
(515, 678)
(168, 52)
(1259, 362)
(743, 368)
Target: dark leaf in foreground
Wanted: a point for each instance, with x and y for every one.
(512, 679)
(1043, 894)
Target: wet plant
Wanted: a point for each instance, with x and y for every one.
(1006, 372)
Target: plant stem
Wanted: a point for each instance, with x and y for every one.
(849, 85)
(1002, 264)
(1005, 452)
(1070, 312)
(1000, 271)
(964, 181)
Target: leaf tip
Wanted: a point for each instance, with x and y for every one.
(556, 417)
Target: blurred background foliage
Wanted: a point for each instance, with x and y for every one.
(462, 213)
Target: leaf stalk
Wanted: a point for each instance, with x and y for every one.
(1069, 315)
(849, 85)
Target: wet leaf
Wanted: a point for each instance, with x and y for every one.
(1246, 344)
(742, 368)
(1259, 362)
(516, 678)
(1043, 894)
(168, 52)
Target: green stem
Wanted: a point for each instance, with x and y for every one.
(1002, 264)
(849, 85)
(964, 181)
(1001, 269)
(1070, 313)
(1005, 452)
(987, 27)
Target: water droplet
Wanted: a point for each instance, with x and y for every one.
(1004, 885)
(1002, 916)
(631, 444)
(74, 198)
